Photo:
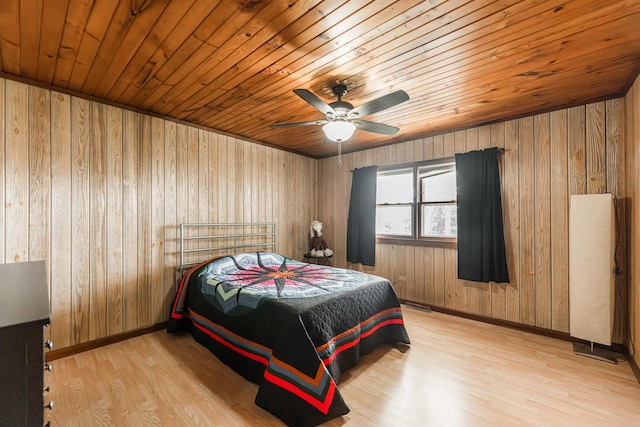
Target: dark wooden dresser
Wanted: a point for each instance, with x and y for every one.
(24, 315)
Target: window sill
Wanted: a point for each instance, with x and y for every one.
(432, 243)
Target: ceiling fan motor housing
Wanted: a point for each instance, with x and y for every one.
(339, 90)
(341, 108)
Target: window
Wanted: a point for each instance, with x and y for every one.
(438, 210)
(394, 199)
(417, 203)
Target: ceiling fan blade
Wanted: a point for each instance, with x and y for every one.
(375, 127)
(316, 102)
(387, 101)
(290, 125)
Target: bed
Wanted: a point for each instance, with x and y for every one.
(289, 326)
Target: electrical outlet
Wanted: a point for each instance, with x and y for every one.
(403, 278)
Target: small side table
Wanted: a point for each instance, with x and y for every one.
(320, 260)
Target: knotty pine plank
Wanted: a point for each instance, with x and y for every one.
(61, 226)
(80, 219)
(418, 150)
(269, 188)
(559, 221)
(223, 195)
(243, 176)
(227, 178)
(339, 221)
(439, 277)
(527, 221)
(428, 148)
(283, 233)
(39, 175)
(170, 226)
(417, 283)
(97, 220)
(450, 276)
(114, 225)
(577, 150)
(257, 200)
(144, 209)
(429, 272)
(511, 203)
(214, 164)
(202, 153)
(331, 203)
(260, 182)
(542, 162)
(401, 153)
(158, 221)
(16, 173)
(191, 206)
(596, 148)
(341, 180)
(130, 165)
(402, 254)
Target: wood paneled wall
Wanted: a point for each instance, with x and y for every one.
(547, 158)
(98, 192)
(632, 175)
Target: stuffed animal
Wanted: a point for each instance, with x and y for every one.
(318, 244)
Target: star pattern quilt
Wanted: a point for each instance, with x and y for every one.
(288, 326)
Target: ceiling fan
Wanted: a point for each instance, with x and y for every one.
(342, 119)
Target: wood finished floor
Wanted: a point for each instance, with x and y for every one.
(458, 372)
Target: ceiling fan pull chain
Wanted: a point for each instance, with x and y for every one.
(339, 155)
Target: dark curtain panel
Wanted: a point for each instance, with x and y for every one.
(481, 249)
(361, 225)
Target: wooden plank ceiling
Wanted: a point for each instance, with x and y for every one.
(231, 66)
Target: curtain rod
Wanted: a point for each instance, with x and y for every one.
(500, 150)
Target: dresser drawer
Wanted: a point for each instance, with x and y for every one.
(21, 375)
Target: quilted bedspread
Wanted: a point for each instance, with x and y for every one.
(288, 326)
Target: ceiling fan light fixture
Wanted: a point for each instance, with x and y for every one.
(339, 130)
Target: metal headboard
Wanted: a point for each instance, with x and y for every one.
(201, 241)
